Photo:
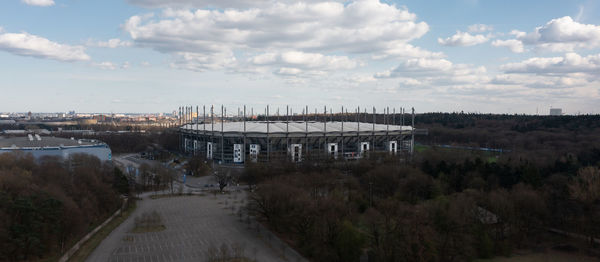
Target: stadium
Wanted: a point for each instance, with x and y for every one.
(262, 141)
(54, 146)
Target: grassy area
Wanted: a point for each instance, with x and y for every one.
(88, 247)
(490, 157)
(549, 256)
(148, 222)
(421, 148)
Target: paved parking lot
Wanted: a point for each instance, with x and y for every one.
(193, 224)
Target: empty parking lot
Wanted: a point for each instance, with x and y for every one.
(193, 225)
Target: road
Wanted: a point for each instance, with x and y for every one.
(126, 160)
(132, 160)
(192, 184)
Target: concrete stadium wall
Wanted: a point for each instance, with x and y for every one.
(272, 148)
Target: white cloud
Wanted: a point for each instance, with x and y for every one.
(574, 75)
(304, 60)
(424, 64)
(513, 45)
(561, 35)
(542, 81)
(288, 71)
(208, 39)
(111, 43)
(201, 62)
(364, 25)
(105, 65)
(359, 79)
(209, 3)
(38, 2)
(295, 63)
(417, 67)
(517, 33)
(407, 81)
(463, 39)
(565, 30)
(579, 15)
(569, 63)
(35, 46)
(437, 72)
(111, 66)
(404, 50)
(480, 28)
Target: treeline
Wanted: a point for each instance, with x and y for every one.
(518, 122)
(166, 139)
(566, 134)
(49, 204)
(444, 206)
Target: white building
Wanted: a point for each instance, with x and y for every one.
(555, 112)
(54, 146)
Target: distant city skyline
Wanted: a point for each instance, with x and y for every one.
(279, 111)
(136, 56)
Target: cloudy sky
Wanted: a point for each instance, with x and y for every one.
(153, 55)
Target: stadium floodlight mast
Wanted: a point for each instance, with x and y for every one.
(268, 141)
(212, 127)
(387, 123)
(287, 126)
(222, 133)
(197, 129)
(412, 131)
(325, 122)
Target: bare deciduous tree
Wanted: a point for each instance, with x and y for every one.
(223, 178)
(585, 189)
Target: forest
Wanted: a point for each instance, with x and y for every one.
(47, 205)
(160, 140)
(444, 204)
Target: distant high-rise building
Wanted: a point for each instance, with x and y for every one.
(555, 111)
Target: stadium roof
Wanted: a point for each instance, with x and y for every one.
(44, 142)
(279, 127)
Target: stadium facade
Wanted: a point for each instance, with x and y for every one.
(235, 142)
(54, 146)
